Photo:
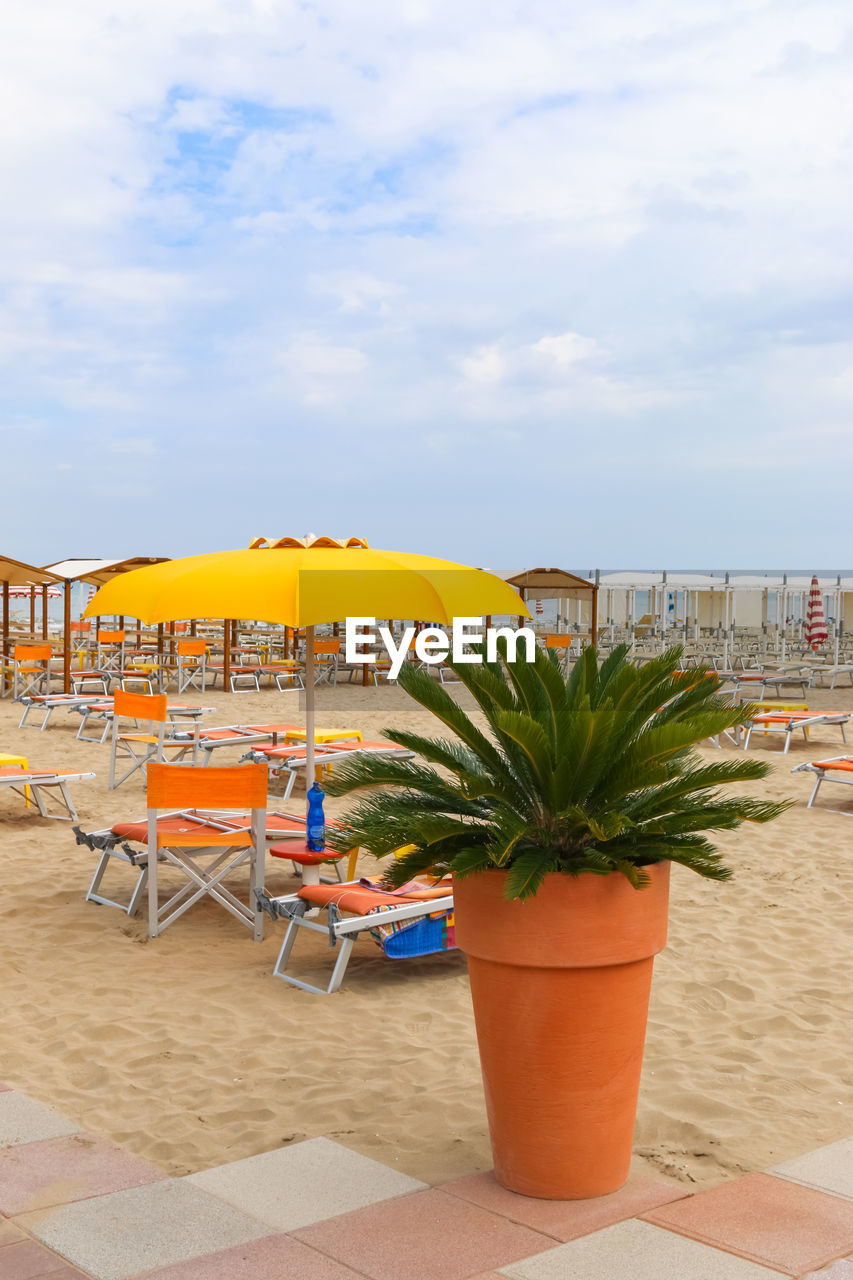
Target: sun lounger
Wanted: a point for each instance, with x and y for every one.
(41, 783)
(818, 674)
(746, 682)
(209, 740)
(286, 761)
(416, 920)
(243, 678)
(127, 842)
(286, 675)
(82, 682)
(48, 703)
(788, 721)
(824, 770)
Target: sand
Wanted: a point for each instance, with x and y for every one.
(186, 1051)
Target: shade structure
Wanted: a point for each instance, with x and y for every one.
(815, 630)
(300, 583)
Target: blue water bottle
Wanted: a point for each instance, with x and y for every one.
(316, 823)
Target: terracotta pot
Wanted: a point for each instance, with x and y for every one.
(560, 986)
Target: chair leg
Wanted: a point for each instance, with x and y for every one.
(345, 946)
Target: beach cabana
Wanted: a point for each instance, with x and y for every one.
(673, 599)
(95, 573)
(17, 574)
(556, 584)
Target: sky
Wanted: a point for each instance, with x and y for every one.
(513, 283)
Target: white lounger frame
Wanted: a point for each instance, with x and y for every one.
(342, 933)
(790, 726)
(823, 773)
(37, 783)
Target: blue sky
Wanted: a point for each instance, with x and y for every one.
(509, 282)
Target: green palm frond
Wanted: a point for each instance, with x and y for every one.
(594, 774)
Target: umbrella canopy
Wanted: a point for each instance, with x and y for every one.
(20, 591)
(815, 632)
(301, 586)
(301, 582)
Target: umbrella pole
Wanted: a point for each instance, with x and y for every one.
(309, 710)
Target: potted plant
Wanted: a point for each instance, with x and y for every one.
(558, 811)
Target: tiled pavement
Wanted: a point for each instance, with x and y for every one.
(73, 1205)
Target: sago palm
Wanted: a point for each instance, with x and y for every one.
(594, 773)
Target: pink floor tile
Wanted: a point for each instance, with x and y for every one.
(422, 1236)
(28, 1260)
(838, 1271)
(567, 1219)
(767, 1220)
(9, 1233)
(37, 1175)
(273, 1258)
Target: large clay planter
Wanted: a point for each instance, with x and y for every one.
(560, 985)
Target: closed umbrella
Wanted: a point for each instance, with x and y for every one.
(815, 632)
(301, 582)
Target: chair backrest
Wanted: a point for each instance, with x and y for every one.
(191, 648)
(139, 706)
(327, 646)
(111, 637)
(561, 641)
(32, 652)
(243, 786)
(81, 626)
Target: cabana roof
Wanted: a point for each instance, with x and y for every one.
(629, 579)
(550, 584)
(18, 574)
(97, 572)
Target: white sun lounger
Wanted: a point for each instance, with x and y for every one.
(286, 761)
(372, 912)
(824, 770)
(43, 783)
(127, 842)
(788, 722)
(48, 703)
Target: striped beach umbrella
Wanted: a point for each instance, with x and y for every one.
(816, 632)
(19, 592)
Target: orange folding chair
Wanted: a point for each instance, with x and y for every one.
(327, 654)
(30, 669)
(191, 662)
(184, 787)
(148, 744)
(111, 651)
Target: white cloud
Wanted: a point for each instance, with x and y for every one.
(465, 220)
(312, 356)
(485, 365)
(356, 291)
(566, 349)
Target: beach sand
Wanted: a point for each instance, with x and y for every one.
(187, 1052)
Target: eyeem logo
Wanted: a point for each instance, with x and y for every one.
(433, 644)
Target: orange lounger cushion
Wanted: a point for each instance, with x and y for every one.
(361, 899)
(39, 775)
(846, 764)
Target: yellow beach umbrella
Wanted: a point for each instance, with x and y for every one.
(301, 582)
